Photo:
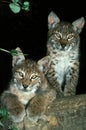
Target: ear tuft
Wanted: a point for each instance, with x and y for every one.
(44, 63)
(17, 59)
(79, 24)
(53, 19)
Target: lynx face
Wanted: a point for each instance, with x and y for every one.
(64, 35)
(27, 76)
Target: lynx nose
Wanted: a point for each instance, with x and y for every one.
(25, 86)
(63, 45)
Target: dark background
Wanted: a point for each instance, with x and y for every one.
(28, 30)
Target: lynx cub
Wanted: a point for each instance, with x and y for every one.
(63, 54)
(27, 82)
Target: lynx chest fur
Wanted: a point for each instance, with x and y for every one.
(60, 63)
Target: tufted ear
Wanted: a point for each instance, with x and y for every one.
(44, 64)
(17, 59)
(79, 24)
(53, 19)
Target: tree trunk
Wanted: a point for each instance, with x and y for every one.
(68, 113)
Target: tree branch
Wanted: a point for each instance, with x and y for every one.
(68, 113)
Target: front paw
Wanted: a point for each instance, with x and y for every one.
(17, 112)
(35, 108)
(36, 105)
(14, 106)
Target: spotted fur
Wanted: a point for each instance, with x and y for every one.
(63, 53)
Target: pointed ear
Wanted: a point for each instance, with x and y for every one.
(79, 24)
(17, 59)
(53, 19)
(44, 64)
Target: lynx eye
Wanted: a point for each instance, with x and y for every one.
(58, 35)
(20, 74)
(70, 36)
(33, 76)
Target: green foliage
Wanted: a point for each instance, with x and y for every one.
(5, 121)
(15, 8)
(3, 115)
(3, 112)
(17, 5)
(26, 6)
(13, 52)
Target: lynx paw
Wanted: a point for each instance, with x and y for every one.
(17, 113)
(14, 106)
(35, 108)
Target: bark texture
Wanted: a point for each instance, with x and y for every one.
(67, 113)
